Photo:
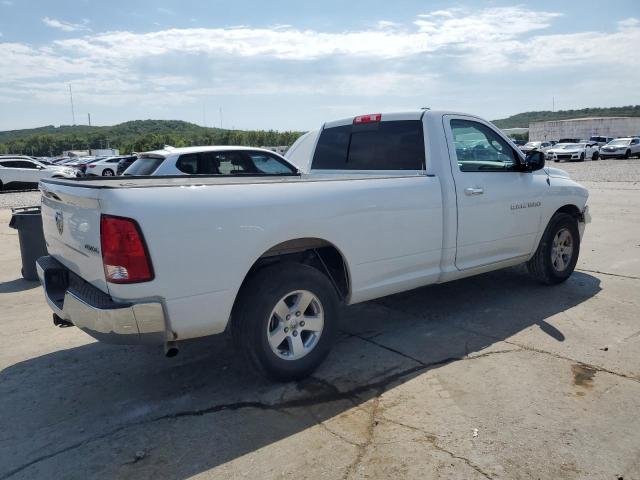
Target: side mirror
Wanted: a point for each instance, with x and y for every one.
(534, 161)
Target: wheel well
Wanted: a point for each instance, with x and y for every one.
(573, 211)
(315, 252)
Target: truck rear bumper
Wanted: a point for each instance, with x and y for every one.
(95, 312)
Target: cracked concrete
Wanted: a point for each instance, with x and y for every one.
(489, 377)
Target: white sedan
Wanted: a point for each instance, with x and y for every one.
(578, 152)
(107, 167)
(19, 170)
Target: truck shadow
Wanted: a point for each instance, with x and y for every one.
(105, 411)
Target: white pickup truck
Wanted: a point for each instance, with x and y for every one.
(391, 202)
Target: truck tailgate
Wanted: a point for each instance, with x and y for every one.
(71, 224)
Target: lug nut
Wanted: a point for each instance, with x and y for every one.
(298, 314)
(295, 333)
(288, 317)
(302, 323)
(286, 329)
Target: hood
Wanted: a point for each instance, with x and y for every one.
(556, 172)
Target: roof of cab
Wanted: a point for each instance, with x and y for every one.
(391, 116)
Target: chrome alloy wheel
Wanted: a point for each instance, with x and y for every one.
(295, 325)
(562, 250)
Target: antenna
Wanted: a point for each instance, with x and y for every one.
(73, 113)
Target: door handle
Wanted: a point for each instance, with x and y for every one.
(473, 191)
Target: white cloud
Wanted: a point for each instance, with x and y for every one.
(7, 3)
(429, 58)
(65, 26)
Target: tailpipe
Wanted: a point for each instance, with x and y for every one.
(60, 322)
(171, 349)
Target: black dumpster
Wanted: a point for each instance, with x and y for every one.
(28, 222)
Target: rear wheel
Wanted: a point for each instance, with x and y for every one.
(285, 320)
(557, 254)
(582, 157)
(1, 185)
(107, 172)
(595, 156)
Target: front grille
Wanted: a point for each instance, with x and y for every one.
(564, 157)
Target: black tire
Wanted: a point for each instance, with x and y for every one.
(107, 172)
(627, 154)
(582, 157)
(252, 315)
(541, 265)
(595, 156)
(1, 185)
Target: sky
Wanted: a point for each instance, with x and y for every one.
(292, 65)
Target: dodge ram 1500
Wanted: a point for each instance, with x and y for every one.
(390, 202)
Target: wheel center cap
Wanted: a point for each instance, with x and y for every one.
(293, 324)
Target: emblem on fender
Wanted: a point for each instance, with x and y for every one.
(59, 222)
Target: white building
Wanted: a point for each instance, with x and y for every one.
(583, 128)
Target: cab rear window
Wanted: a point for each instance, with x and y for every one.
(391, 145)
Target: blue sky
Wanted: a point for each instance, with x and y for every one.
(293, 65)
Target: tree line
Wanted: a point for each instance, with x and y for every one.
(136, 136)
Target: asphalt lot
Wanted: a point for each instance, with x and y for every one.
(488, 377)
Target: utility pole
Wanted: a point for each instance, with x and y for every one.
(553, 99)
(204, 115)
(220, 117)
(89, 118)
(73, 113)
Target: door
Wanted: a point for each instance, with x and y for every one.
(28, 172)
(499, 206)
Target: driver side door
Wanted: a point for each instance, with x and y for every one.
(499, 206)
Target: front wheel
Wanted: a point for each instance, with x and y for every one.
(595, 156)
(107, 172)
(627, 154)
(582, 157)
(285, 320)
(557, 254)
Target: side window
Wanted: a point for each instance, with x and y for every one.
(331, 151)
(188, 163)
(480, 149)
(267, 163)
(25, 164)
(635, 141)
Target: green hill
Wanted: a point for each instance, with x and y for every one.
(133, 136)
(523, 119)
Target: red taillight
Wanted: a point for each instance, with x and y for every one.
(92, 166)
(124, 253)
(374, 117)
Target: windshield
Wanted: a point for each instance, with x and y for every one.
(533, 144)
(573, 145)
(620, 143)
(144, 166)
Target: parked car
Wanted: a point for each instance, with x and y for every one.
(578, 152)
(541, 146)
(125, 163)
(20, 171)
(600, 140)
(160, 260)
(217, 160)
(519, 143)
(107, 167)
(621, 148)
